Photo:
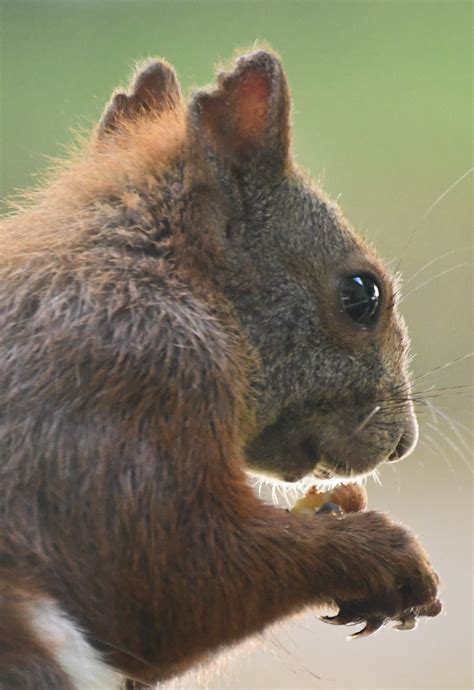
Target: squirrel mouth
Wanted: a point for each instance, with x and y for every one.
(322, 471)
(310, 448)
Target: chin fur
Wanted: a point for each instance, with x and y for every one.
(274, 490)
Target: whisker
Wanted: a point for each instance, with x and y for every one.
(430, 209)
(366, 420)
(450, 189)
(460, 425)
(430, 263)
(442, 395)
(451, 443)
(376, 477)
(451, 424)
(443, 366)
(284, 491)
(464, 387)
(430, 443)
(271, 489)
(430, 280)
(424, 403)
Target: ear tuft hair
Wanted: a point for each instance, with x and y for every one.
(153, 90)
(248, 113)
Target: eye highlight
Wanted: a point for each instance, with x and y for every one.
(360, 298)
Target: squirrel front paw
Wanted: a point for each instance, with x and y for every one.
(378, 572)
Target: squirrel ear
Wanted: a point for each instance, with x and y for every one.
(247, 115)
(153, 89)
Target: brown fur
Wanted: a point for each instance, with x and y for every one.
(149, 351)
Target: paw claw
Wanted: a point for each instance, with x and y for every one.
(344, 617)
(337, 620)
(331, 620)
(369, 628)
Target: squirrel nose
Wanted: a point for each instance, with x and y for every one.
(407, 442)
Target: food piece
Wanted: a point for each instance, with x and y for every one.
(351, 498)
(331, 508)
(311, 501)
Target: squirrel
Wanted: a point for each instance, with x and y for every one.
(180, 304)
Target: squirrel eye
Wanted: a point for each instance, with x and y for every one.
(360, 298)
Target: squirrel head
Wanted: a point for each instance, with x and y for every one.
(331, 395)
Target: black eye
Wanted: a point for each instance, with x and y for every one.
(360, 297)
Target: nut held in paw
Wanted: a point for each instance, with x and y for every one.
(350, 498)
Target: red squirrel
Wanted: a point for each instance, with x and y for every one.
(181, 303)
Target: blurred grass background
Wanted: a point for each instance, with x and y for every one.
(383, 114)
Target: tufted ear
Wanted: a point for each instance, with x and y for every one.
(247, 115)
(153, 89)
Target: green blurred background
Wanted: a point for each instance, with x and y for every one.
(383, 115)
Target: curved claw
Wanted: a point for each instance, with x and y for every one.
(339, 619)
(369, 628)
(348, 614)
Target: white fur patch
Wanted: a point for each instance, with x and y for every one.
(70, 649)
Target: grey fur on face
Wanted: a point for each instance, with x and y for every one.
(287, 249)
